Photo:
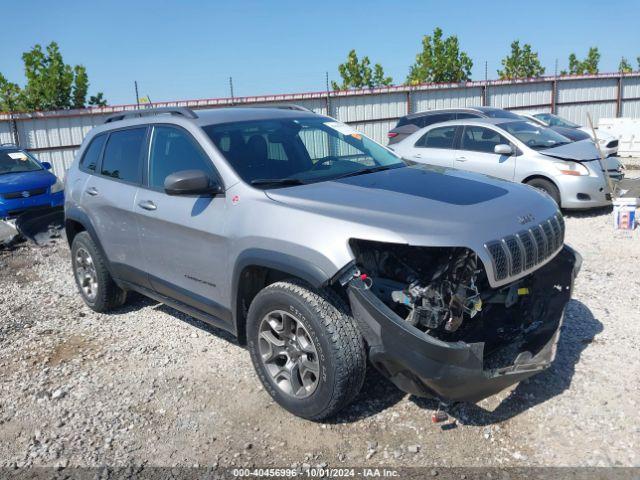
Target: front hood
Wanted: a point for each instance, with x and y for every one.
(581, 151)
(14, 182)
(422, 205)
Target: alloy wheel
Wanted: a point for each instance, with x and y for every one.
(86, 275)
(288, 354)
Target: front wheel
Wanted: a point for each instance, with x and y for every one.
(547, 187)
(307, 350)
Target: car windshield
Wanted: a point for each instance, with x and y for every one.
(289, 151)
(535, 136)
(17, 161)
(555, 121)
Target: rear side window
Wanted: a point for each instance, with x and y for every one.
(435, 118)
(92, 153)
(480, 139)
(173, 150)
(122, 155)
(442, 137)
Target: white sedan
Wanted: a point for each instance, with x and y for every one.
(520, 151)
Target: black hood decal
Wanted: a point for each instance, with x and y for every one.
(428, 183)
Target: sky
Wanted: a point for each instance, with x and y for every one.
(189, 49)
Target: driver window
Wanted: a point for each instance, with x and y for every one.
(480, 139)
(173, 150)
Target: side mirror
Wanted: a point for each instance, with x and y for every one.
(503, 149)
(46, 165)
(191, 182)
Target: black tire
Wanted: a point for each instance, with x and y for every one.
(108, 295)
(335, 335)
(546, 186)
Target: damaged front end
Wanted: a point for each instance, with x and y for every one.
(436, 328)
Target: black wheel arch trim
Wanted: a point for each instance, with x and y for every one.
(294, 266)
(78, 216)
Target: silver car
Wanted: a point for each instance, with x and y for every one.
(319, 249)
(520, 151)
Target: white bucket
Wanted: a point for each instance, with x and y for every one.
(624, 213)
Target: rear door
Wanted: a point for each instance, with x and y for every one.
(108, 197)
(183, 241)
(476, 153)
(435, 147)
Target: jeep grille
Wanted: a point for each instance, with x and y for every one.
(522, 252)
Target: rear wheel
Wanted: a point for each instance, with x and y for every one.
(307, 350)
(97, 288)
(547, 187)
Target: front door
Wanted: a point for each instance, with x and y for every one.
(476, 153)
(182, 237)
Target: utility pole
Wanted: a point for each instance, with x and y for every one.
(135, 84)
(231, 89)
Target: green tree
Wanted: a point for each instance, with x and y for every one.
(379, 78)
(49, 79)
(581, 67)
(10, 95)
(80, 86)
(51, 84)
(624, 66)
(440, 61)
(357, 73)
(97, 100)
(521, 63)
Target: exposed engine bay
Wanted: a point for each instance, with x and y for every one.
(445, 293)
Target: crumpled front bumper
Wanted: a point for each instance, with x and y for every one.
(425, 366)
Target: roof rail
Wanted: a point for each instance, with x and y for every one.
(283, 106)
(181, 111)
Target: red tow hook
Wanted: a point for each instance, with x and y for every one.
(439, 416)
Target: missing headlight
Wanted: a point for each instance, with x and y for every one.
(431, 288)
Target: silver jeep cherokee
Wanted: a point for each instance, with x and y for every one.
(321, 249)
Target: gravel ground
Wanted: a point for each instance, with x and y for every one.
(149, 385)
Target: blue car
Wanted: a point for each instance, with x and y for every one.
(26, 184)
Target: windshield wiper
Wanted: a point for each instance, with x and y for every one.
(364, 171)
(277, 181)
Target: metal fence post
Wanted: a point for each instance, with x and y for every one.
(619, 96)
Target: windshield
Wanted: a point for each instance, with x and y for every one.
(555, 121)
(535, 136)
(285, 151)
(499, 113)
(17, 161)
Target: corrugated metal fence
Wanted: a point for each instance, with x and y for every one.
(55, 136)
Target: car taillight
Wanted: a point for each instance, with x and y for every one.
(392, 134)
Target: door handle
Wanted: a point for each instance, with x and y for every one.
(417, 155)
(147, 205)
(461, 159)
(92, 191)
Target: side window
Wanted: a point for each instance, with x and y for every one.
(437, 118)
(173, 150)
(480, 139)
(92, 153)
(442, 137)
(122, 155)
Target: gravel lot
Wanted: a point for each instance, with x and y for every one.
(148, 385)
